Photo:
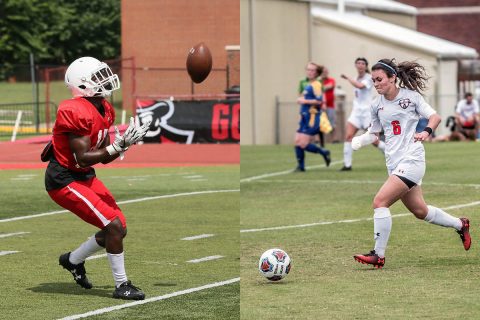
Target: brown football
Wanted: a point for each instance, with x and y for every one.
(199, 62)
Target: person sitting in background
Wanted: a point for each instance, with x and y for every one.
(467, 117)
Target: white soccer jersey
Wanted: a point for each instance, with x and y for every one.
(363, 97)
(398, 118)
(467, 110)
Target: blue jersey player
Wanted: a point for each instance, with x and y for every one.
(310, 110)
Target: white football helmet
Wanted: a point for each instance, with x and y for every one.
(88, 77)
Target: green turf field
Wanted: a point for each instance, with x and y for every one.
(34, 286)
(427, 275)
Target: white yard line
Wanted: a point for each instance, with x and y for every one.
(97, 256)
(306, 225)
(153, 299)
(5, 235)
(365, 182)
(125, 202)
(280, 173)
(204, 259)
(200, 236)
(4, 253)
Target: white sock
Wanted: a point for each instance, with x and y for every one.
(439, 217)
(85, 250)
(347, 154)
(382, 225)
(117, 265)
(381, 146)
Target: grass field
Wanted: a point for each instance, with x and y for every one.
(427, 274)
(34, 286)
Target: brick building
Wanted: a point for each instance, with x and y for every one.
(159, 34)
(454, 20)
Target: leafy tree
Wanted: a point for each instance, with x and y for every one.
(57, 31)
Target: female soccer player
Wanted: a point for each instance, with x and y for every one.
(310, 100)
(360, 117)
(397, 111)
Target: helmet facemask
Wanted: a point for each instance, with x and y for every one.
(104, 81)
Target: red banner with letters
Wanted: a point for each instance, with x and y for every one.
(212, 121)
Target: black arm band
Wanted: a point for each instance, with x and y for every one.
(429, 130)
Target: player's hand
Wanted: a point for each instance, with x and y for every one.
(421, 136)
(141, 131)
(356, 143)
(300, 100)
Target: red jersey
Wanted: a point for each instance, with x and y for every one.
(330, 93)
(79, 117)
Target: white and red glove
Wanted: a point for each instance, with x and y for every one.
(132, 135)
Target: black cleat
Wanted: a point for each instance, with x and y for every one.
(127, 291)
(77, 270)
(346, 168)
(298, 169)
(465, 233)
(327, 158)
(370, 258)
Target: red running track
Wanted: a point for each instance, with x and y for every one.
(15, 155)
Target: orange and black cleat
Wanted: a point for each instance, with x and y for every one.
(465, 233)
(370, 258)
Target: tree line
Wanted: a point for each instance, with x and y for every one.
(57, 31)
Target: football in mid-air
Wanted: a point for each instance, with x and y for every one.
(274, 264)
(199, 62)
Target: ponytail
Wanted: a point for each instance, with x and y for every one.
(410, 75)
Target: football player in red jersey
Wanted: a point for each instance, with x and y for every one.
(81, 140)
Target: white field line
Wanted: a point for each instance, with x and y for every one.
(97, 256)
(21, 179)
(198, 180)
(153, 299)
(306, 225)
(204, 259)
(4, 253)
(125, 202)
(28, 175)
(474, 185)
(5, 235)
(193, 177)
(200, 236)
(281, 173)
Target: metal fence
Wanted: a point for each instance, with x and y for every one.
(29, 118)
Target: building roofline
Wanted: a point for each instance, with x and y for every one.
(402, 36)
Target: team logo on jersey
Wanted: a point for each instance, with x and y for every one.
(404, 103)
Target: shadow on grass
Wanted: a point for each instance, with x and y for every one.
(165, 284)
(72, 289)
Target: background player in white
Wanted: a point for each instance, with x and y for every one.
(360, 116)
(397, 111)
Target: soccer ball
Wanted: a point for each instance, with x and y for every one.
(274, 264)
